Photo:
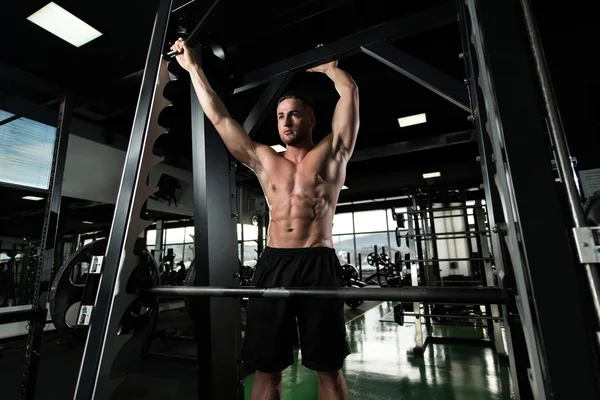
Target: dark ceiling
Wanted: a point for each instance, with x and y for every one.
(105, 76)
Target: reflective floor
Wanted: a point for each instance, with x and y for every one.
(382, 366)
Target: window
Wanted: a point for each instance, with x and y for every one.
(343, 245)
(370, 221)
(250, 232)
(365, 243)
(151, 237)
(342, 223)
(175, 235)
(26, 149)
(250, 252)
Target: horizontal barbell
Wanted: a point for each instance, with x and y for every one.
(408, 293)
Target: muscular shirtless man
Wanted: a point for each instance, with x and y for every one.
(302, 187)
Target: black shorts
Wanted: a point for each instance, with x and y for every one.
(271, 323)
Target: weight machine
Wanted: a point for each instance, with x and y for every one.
(511, 137)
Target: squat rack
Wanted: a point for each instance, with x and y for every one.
(511, 138)
(37, 315)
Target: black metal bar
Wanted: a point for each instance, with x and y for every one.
(400, 28)
(467, 234)
(482, 317)
(411, 146)
(31, 81)
(25, 113)
(405, 293)
(422, 73)
(16, 316)
(360, 271)
(455, 208)
(449, 259)
(46, 259)
(197, 28)
(115, 253)
(267, 100)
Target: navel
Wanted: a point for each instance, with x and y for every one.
(273, 187)
(290, 229)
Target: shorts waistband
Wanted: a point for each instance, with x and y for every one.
(277, 251)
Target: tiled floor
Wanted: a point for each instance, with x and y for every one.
(381, 366)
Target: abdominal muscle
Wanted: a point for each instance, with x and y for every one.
(299, 221)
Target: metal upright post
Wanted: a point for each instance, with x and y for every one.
(218, 332)
(105, 340)
(491, 309)
(46, 259)
(414, 278)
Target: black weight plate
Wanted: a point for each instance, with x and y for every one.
(68, 285)
(67, 290)
(371, 258)
(353, 303)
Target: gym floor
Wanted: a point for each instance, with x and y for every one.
(380, 366)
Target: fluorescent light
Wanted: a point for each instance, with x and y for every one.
(474, 189)
(87, 222)
(344, 187)
(432, 175)
(32, 198)
(278, 148)
(63, 24)
(412, 120)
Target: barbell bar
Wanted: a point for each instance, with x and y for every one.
(405, 293)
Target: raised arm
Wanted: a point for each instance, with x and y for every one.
(234, 136)
(346, 119)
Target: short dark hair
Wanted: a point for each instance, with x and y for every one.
(304, 98)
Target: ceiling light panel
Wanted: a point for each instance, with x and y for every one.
(63, 24)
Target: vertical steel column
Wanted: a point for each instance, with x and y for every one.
(512, 123)
(516, 343)
(241, 222)
(218, 330)
(491, 309)
(465, 213)
(414, 278)
(46, 259)
(158, 240)
(104, 339)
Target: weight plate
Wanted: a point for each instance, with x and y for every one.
(67, 288)
(371, 258)
(353, 303)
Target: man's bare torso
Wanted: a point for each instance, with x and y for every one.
(302, 196)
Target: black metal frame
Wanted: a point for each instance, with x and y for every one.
(420, 72)
(46, 261)
(38, 313)
(94, 370)
(513, 142)
(516, 139)
(400, 28)
(218, 321)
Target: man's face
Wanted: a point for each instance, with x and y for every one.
(295, 121)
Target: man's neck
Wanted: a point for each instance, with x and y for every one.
(297, 153)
